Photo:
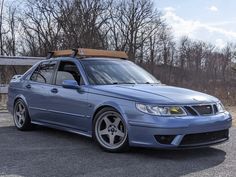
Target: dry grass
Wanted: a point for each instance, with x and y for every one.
(232, 110)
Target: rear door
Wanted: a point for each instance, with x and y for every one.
(38, 90)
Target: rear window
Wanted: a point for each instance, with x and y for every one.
(44, 73)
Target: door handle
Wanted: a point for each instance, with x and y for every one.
(28, 86)
(54, 90)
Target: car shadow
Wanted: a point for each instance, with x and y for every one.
(58, 153)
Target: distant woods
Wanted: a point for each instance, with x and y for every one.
(34, 27)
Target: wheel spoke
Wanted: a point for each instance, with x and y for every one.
(104, 132)
(116, 122)
(120, 133)
(111, 139)
(18, 114)
(20, 107)
(23, 111)
(21, 121)
(107, 121)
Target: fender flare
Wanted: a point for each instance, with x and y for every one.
(113, 105)
(20, 96)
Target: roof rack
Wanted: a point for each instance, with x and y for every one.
(84, 53)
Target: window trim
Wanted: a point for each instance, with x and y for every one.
(56, 70)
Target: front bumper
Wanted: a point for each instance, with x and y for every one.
(176, 133)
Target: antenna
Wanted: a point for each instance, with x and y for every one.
(75, 51)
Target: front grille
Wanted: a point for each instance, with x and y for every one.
(199, 110)
(191, 111)
(203, 109)
(201, 138)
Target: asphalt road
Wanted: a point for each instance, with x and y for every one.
(47, 152)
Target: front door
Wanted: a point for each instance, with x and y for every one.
(69, 106)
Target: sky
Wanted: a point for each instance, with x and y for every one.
(208, 20)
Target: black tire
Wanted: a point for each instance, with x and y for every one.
(124, 144)
(21, 125)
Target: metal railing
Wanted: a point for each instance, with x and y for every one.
(3, 88)
(3, 96)
(16, 61)
(19, 61)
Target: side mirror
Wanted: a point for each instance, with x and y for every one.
(16, 77)
(70, 84)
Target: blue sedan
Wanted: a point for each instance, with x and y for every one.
(117, 103)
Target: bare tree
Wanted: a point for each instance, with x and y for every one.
(131, 25)
(1, 27)
(134, 26)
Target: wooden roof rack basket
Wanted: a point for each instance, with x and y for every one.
(84, 53)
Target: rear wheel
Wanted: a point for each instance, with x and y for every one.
(110, 130)
(21, 116)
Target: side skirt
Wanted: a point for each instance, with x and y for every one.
(63, 128)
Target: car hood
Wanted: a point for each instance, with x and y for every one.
(154, 93)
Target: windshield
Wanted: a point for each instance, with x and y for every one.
(106, 72)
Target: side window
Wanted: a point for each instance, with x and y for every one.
(44, 72)
(68, 71)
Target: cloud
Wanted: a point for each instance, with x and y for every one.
(223, 23)
(213, 9)
(169, 9)
(198, 30)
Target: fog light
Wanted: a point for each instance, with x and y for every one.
(165, 139)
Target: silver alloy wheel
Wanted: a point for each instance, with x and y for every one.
(110, 130)
(19, 114)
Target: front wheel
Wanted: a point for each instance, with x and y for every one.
(110, 130)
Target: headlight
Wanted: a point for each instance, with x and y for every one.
(220, 107)
(161, 110)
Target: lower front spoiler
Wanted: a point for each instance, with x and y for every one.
(197, 146)
(180, 138)
(202, 145)
(179, 147)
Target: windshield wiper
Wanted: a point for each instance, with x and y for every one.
(152, 83)
(128, 83)
(123, 83)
